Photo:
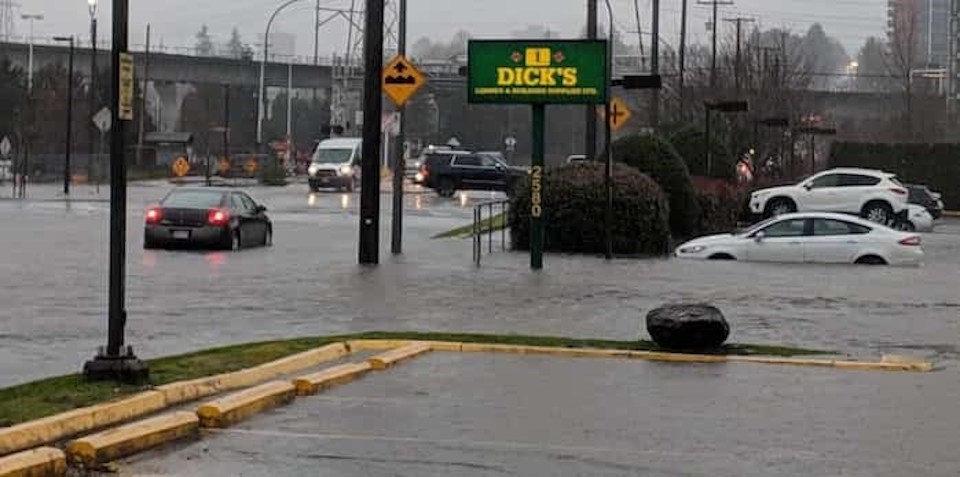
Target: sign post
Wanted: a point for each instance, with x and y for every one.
(537, 73)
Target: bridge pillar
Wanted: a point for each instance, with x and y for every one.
(170, 98)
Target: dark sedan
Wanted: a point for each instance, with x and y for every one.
(207, 218)
(922, 195)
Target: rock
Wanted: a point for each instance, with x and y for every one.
(688, 327)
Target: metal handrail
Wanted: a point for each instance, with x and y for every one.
(478, 232)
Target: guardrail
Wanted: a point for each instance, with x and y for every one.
(487, 228)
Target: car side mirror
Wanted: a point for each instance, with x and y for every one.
(808, 186)
(759, 236)
(260, 209)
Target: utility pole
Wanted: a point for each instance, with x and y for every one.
(69, 145)
(713, 25)
(143, 100)
(683, 53)
(372, 109)
(590, 145)
(399, 166)
(739, 64)
(95, 134)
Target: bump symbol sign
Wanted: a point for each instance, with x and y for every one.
(401, 80)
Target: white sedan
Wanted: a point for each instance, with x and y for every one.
(812, 237)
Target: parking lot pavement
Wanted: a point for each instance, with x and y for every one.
(469, 415)
(53, 287)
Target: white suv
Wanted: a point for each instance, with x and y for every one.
(874, 195)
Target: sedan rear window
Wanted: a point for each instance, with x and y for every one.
(193, 199)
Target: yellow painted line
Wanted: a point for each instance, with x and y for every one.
(238, 406)
(395, 356)
(177, 393)
(45, 461)
(313, 383)
(68, 424)
(132, 438)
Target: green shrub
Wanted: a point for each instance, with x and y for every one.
(721, 205)
(655, 157)
(691, 145)
(574, 201)
(273, 174)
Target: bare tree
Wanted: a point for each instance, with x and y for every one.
(904, 49)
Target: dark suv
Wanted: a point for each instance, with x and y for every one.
(448, 172)
(923, 196)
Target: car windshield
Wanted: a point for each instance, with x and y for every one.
(193, 199)
(333, 156)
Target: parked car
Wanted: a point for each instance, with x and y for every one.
(918, 220)
(447, 173)
(336, 164)
(924, 197)
(811, 237)
(207, 218)
(874, 195)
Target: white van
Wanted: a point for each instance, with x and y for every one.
(336, 164)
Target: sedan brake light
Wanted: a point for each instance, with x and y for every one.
(898, 191)
(914, 241)
(154, 215)
(218, 217)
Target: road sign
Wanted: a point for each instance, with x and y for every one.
(180, 166)
(5, 146)
(251, 166)
(619, 113)
(537, 72)
(126, 87)
(511, 143)
(225, 166)
(401, 80)
(102, 120)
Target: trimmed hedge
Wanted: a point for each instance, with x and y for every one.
(934, 165)
(574, 201)
(691, 144)
(721, 205)
(657, 158)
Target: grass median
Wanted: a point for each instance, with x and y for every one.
(55, 395)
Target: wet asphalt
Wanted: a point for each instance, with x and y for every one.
(477, 415)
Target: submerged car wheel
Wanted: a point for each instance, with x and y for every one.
(871, 260)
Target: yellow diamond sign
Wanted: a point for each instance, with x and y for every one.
(180, 166)
(619, 113)
(401, 80)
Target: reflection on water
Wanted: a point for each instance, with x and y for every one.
(312, 200)
(418, 202)
(215, 260)
(464, 199)
(345, 201)
(148, 259)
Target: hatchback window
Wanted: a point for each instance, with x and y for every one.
(827, 228)
(193, 199)
(857, 180)
(787, 228)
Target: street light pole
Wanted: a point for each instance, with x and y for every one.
(590, 148)
(399, 166)
(94, 98)
(261, 96)
(608, 133)
(369, 253)
(69, 146)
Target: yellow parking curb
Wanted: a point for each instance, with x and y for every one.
(376, 345)
(41, 462)
(238, 406)
(313, 383)
(71, 423)
(132, 438)
(395, 356)
(177, 393)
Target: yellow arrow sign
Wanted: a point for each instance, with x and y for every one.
(251, 166)
(620, 113)
(180, 167)
(401, 80)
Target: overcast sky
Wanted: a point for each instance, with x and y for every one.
(175, 22)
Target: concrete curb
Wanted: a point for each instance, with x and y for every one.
(130, 439)
(243, 404)
(951, 213)
(376, 345)
(71, 423)
(395, 356)
(41, 462)
(314, 383)
(177, 393)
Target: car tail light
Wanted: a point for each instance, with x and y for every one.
(218, 217)
(898, 191)
(425, 171)
(911, 241)
(154, 215)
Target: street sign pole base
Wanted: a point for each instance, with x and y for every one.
(126, 368)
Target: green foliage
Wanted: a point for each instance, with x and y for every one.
(691, 145)
(573, 206)
(658, 159)
(721, 205)
(934, 165)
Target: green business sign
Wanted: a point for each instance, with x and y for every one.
(537, 72)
